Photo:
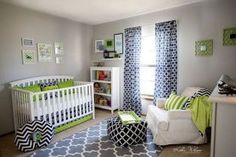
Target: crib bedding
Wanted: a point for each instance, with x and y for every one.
(60, 114)
(60, 104)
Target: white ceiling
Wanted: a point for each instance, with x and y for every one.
(98, 11)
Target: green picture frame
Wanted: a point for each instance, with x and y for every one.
(229, 36)
(109, 44)
(28, 56)
(204, 48)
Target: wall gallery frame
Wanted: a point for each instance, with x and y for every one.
(229, 36)
(59, 60)
(59, 50)
(109, 44)
(204, 48)
(28, 56)
(118, 43)
(44, 52)
(99, 45)
(27, 42)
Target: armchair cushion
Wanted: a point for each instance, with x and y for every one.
(175, 102)
(179, 114)
(160, 102)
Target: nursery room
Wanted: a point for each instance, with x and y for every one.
(117, 78)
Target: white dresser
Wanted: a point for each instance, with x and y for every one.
(223, 138)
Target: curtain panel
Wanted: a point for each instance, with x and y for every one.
(166, 59)
(132, 98)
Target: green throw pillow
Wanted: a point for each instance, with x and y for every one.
(65, 84)
(33, 88)
(175, 102)
(68, 83)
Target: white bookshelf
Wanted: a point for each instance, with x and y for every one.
(107, 90)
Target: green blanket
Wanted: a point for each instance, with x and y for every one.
(201, 109)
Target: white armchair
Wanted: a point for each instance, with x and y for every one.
(173, 127)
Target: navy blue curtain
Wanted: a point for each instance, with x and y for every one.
(166, 68)
(132, 99)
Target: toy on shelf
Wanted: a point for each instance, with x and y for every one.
(103, 101)
(97, 87)
(101, 75)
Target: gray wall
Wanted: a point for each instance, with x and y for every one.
(199, 21)
(17, 22)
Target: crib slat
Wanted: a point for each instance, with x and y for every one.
(14, 108)
(49, 107)
(89, 99)
(21, 109)
(67, 103)
(83, 100)
(77, 102)
(43, 108)
(59, 107)
(37, 106)
(32, 114)
(63, 106)
(86, 99)
(72, 104)
(80, 101)
(54, 110)
(92, 101)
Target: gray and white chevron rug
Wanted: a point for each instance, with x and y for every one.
(94, 142)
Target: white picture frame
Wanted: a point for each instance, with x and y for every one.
(28, 56)
(99, 46)
(59, 49)
(118, 43)
(27, 42)
(44, 52)
(59, 60)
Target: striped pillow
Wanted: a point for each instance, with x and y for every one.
(175, 102)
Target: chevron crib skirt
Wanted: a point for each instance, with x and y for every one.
(125, 135)
(33, 134)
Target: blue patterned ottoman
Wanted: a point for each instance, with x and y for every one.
(125, 135)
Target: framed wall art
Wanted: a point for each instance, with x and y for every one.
(109, 44)
(44, 52)
(204, 48)
(118, 43)
(229, 36)
(99, 45)
(27, 42)
(59, 50)
(59, 60)
(28, 56)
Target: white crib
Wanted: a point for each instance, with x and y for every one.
(58, 106)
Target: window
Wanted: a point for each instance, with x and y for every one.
(147, 61)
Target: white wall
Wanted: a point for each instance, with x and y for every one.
(17, 22)
(199, 21)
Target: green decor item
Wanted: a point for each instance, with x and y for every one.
(109, 44)
(128, 117)
(229, 36)
(49, 88)
(72, 124)
(175, 102)
(32, 88)
(66, 84)
(28, 56)
(204, 48)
